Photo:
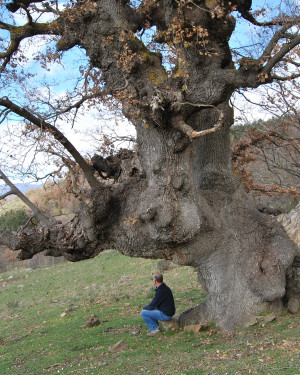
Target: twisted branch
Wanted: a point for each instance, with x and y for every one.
(178, 122)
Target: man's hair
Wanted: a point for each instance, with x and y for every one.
(158, 277)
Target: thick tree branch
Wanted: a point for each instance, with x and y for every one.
(17, 4)
(255, 72)
(45, 126)
(19, 33)
(272, 43)
(286, 48)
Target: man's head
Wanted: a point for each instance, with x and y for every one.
(158, 279)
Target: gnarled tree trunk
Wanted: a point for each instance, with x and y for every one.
(177, 198)
(193, 211)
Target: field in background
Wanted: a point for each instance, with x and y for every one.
(42, 312)
(53, 200)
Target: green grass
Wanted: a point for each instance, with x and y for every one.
(35, 339)
(12, 205)
(12, 220)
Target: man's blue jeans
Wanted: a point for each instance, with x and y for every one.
(151, 318)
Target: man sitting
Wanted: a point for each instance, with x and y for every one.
(162, 307)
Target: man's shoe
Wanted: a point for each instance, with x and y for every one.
(153, 333)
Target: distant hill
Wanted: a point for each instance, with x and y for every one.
(51, 198)
(21, 186)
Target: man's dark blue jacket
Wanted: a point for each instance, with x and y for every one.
(163, 300)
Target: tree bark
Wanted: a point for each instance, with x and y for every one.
(194, 212)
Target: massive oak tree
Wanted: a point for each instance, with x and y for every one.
(176, 197)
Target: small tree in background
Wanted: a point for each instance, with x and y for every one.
(266, 155)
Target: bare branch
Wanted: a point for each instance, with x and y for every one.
(249, 17)
(7, 194)
(288, 78)
(293, 62)
(77, 104)
(47, 9)
(45, 126)
(3, 115)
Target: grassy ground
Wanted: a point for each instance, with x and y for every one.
(35, 339)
